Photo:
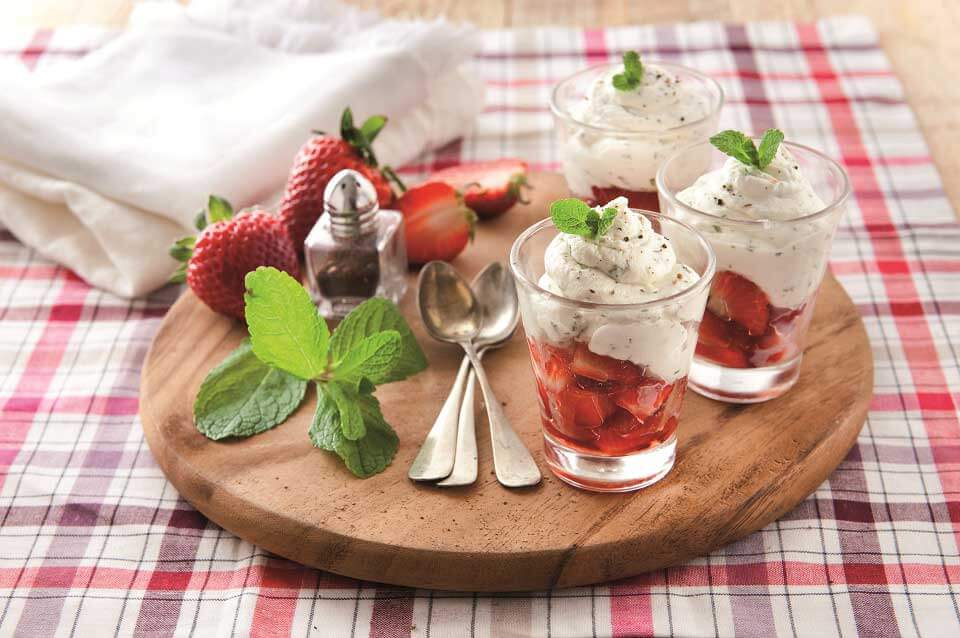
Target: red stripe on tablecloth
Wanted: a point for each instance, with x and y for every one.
(288, 586)
(280, 584)
(736, 73)
(916, 338)
(36, 48)
(392, 615)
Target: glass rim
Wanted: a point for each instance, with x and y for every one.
(705, 280)
(671, 196)
(563, 114)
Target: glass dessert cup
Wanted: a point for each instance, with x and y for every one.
(609, 424)
(768, 274)
(600, 163)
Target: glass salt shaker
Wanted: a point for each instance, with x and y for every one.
(355, 251)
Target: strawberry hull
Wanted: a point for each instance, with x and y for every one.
(602, 406)
(741, 329)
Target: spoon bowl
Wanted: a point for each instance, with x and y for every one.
(496, 295)
(448, 306)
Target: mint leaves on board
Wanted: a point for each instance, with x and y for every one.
(244, 396)
(264, 379)
(575, 217)
(632, 74)
(740, 147)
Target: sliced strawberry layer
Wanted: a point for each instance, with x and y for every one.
(740, 329)
(601, 404)
(595, 366)
(646, 200)
(736, 298)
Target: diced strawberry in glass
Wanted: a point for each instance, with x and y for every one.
(736, 298)
(661, 421)
(725, 356)
(623, 433)
(605, 369)
(643, 399)
(576, 412)
(646, 200)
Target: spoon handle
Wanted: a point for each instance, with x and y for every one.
(511, 460)
(435, 459)
(465, 464)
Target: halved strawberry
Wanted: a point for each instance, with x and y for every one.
(644, 399)
(736, 298)
(438, 225)
(605, 369)
(489, 188)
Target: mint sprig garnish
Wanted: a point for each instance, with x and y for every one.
(264, 379)
(575, 217)
(632, 74)
(740, 147)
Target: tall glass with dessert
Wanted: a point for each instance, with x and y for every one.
(618, 123)
(610, 299)
(770, 210)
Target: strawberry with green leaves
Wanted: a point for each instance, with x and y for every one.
(322, 157)
(215, 262)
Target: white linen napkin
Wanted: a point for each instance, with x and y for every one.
(105, 162)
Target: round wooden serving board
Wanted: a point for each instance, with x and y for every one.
(738, 467)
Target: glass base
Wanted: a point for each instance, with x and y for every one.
(610, 473)
(743, 385)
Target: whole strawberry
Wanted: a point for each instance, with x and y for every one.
(227, 248)
(322, 157)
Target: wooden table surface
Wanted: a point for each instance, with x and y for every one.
(919, 36)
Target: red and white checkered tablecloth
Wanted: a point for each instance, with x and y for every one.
(94, 541)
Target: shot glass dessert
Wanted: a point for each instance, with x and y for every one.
(610, 300)
(770, 211)
(618, 124)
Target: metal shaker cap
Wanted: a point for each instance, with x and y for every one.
(349, 194)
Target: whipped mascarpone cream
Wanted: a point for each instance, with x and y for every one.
(782, 254)
(631, 263)
(647, 119)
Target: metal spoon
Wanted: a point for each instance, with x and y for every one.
(451, 313)
(441, 448)
(496, 295)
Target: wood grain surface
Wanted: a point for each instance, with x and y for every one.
(738, 467)
(919, 36)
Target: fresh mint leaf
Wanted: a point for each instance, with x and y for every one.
(632, 74)
(218, 209)
(632, 66)
(736, 145)
(284, 326)
(244, 396)
(366, 456)
(373, 358)
(570, 216)
(575, 217)
(606, 220)
(769, 144)
(373, 316)
(623, 83)
(347, 400)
